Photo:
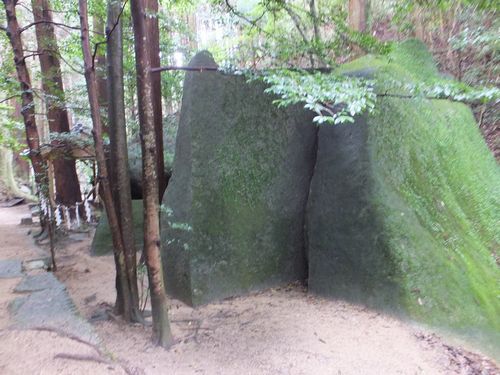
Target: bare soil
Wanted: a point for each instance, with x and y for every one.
(278, 331)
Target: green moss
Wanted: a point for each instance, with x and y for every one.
(438, 194)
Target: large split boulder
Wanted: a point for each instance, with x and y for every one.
(400, 209)
(233, 211)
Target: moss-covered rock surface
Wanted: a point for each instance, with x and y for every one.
(402, 211)
(233, 211)
(102, 243)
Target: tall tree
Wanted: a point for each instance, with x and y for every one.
(150, 185)
(153, 43)
(28, 107)
(101, 70)
(119, 154)
(126, 303)
(357, 15)
(66, 179)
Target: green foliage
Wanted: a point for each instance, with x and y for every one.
(335, 98)
(9, 129)
(277, 33)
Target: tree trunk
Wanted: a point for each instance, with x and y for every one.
(118, 143)
(101, 69)
(114, 224)
(153, 38)
(7, 175)
(357, 15)
(161, 327)
(66, 179)
(28, 107)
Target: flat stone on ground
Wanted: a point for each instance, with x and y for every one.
(34, 264)
(35, 283)
(50, 308)
(10, 268)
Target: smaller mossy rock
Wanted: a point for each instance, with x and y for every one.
(233, 211)
(102, 243)
(404, 207)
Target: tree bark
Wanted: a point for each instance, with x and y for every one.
(161, 326)
(28, 107)
(118, 142)
(153, 42)
(101, 69)
(357, 15)
(66, 179)
(114, 224)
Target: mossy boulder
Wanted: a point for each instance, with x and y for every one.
(233, 211)
(404, 207)
(135, 170)
(102, 243)
(401, 210)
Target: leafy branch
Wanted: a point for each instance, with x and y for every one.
(336, 98)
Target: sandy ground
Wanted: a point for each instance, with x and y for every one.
(278, 331)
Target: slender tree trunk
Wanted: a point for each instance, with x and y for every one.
(418, 22)
(357, 15)
(118, 142)
(66, 179)
(114, 224)
(161, 326)
(153, 37)
(28, 107)
(314, 16)
(101, 69)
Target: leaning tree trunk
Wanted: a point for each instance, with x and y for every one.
(161, 326)
(119, 153)
(66, 179)
(153, 42)
(28, 106)
(114, 224)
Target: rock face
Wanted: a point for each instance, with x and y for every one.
(404, 204)
(102, 243)
(347, 257)
(397, 211)
(234, 206)
(135, 170)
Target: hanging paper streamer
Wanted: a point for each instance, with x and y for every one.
(43, 206)
(67, 217)
(77, 213)
(58, 215)
(88, 211)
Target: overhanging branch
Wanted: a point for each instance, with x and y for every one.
(108, 33)
(48, 22)
(9, 98)
(185, 68)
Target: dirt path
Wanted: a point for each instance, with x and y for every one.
(279, 331)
